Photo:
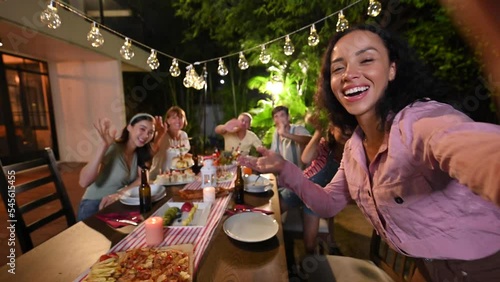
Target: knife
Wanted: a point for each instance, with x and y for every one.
(126, 221)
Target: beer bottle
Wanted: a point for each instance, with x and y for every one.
(145, 203)
(239, 187)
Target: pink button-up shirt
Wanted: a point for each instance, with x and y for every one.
(420, 198)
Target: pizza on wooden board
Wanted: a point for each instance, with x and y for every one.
(189, 194)
(173, 263)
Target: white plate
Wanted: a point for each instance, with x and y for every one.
(165, 182)
(250, 227)
(264, 189)
(199, 219)
(131, 197)
(256, 184)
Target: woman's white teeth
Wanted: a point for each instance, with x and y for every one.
(355, 91)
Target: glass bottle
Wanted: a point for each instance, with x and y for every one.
(239, 187)
(145, 203)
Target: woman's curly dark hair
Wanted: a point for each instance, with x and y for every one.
(412, 82)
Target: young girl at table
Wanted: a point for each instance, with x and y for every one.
(174, 143)
(324, 155)
(117, 161)
(424, 174)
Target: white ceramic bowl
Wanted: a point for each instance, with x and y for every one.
(256, 184)
(155, 189)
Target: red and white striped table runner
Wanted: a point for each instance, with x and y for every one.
(198, 236)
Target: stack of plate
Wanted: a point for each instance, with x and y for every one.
(131, 197)
(257, 184)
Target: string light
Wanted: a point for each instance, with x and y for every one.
(342, 23)
(200, 81)
(313, 38)
(264, 56)
(50, 17)
(242, 62)
(174, 70)
(94, 36)
(374, 8)
(152, 61)
(288, 49)
(126, 50)
(222, 70)
(192, 79)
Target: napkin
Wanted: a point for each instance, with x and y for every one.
(246, 208)
(111, 218)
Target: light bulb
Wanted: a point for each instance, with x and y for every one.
(342, 23)
(94, 36)
(152, 60)
(374, 8)
(288, 49)
(189, 78)
(242, 62)
(50, 17)
(313, 38)
(221, 69)
(199, 83)
(126, 50)
(264, 56)
(174, 70)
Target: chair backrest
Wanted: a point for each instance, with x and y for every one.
(13, 189)
(400, 267)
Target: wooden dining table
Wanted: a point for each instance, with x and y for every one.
(71, 252)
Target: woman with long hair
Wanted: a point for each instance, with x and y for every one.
(117, 161)
(424, 174)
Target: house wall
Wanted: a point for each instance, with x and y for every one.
(86, 82)
(82, 93)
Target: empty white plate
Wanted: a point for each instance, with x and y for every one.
(250, 227)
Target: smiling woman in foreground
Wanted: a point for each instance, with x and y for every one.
(424, 174)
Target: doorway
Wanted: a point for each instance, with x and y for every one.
(26, 117)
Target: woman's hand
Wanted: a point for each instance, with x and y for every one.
(106, 131)
(108, 200)
(270, 162)
(160, 126)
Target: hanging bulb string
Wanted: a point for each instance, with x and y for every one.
(277, 39)
(80, 14)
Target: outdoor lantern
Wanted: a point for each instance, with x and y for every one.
(208, 173)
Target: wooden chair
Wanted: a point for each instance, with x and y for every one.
(11, 189)
(386, 265)
(293, 230)
(399, 267)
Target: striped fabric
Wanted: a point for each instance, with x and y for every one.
(320, 161)
(198, 236)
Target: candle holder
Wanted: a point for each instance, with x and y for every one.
(208, 174)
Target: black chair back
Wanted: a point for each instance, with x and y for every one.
(11, 189)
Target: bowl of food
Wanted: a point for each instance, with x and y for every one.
(256, 183)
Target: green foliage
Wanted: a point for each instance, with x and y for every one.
(233, 26)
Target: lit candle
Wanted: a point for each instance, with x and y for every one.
(208, 194)
(154, 230)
